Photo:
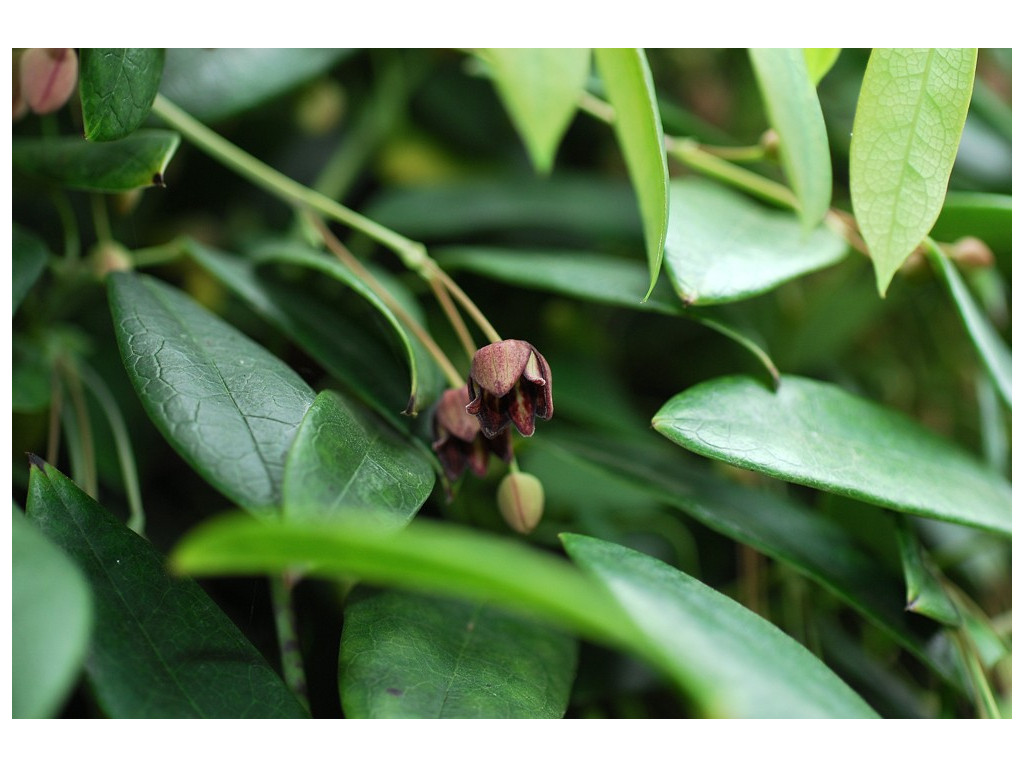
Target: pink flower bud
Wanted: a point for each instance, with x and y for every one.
(458, 441)
(521, 501)
(48, 78)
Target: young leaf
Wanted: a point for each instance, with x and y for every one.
(345, 463)
(925, 594)
(407, 655)
(117, 87)
(723, 247)
(910, 114)
(114, 166)
(161, 648)
(990, 346)
(541, 88)
(794, 112)
(51, 620)
(225, 404)
(713, 643)
(816, 434)
(29, 255)
(214, 83)
(627, 80)
(819, 61)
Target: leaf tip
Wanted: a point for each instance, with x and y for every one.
(36, 462)
(158, 180)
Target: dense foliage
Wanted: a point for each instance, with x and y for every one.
(511, 383)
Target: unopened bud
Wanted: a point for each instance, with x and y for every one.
(48, 77)
(971, 252)
(109, 256)
(521, 501)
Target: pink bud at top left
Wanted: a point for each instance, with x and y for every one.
(48, 78)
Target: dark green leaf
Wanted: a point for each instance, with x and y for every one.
(51, 619)
(910, 114)
(117, 86)
(985, 216)
(724, 247)
(344, 462)
(161, 648)
(31, 375)
(541, 89)
(229, 407)
(990, 346)
(794, 112)
(627, 81)
(925, 594)
(114, 166)
(816, 434)
(713, 643)
(211, 84)
(586, 207)
(406, 655)
(29, 255)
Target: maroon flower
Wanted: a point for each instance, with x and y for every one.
(509, 381)
(458, 441)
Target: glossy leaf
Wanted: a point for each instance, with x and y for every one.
(29, 255)
(212, 84)
(161, 648)
(584, 207)
(117, 87)
(226, 405)
(724, 247)
(991, 348)
(910, 114)
(988, 217)
(541, 89)
(627, 81)
(407, 655)
(115, 166)
(774, 525)
(794, 112)
(344, 463)
(51, 620)
(816, 434)
(925, 594)
(819, 61)
(714, 643)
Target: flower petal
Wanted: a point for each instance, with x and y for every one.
(497, 367)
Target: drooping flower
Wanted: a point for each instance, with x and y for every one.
(509, 382)
(458, 440)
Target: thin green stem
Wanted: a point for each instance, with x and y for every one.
(123, 446)
(87, 448)
(288, 637)
(53, 429)
(455, 379)
(101, 218)
(467, 303)
(157, 255)
(984, 699)
(444, 299)
(72, 240)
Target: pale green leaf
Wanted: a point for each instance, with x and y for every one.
(819, 61)
(910, 114)
(540, 88)
(630, 88)
(794, 112)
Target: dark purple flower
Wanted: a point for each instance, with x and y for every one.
(458, 441)
(509, 382)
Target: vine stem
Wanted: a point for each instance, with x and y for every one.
(444, 299)
(288, 637)
(357, 268)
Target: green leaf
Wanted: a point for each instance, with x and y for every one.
(627, 80)
(990, 346)
(541, 89)
(925, 594)
(987, 216)
(117, 87)
(816, 434)
(161, 648)
(406, 655)
(29, 255)
(225, 404)
(819, 61)
(778, 527)
(346, 463)
(910, 114)
(114, 166)
(794, 112)
(31, 374)
(715, 644)
(564, 204)
(724, 247)
(352, 356)
(51, 620)
(211, 84)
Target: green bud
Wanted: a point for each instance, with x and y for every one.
(521, 501)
